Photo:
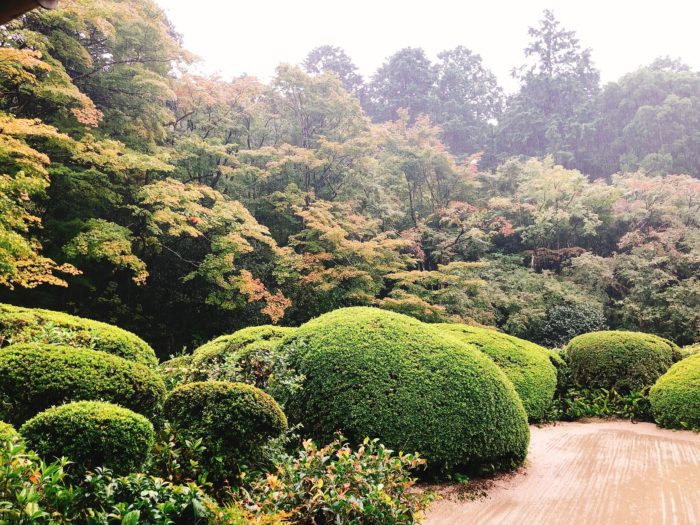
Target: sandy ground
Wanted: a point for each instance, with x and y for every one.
(597, 473)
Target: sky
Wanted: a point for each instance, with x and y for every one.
(235, 37)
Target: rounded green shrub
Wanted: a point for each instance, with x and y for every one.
(27, 325)
(91, 434)
(527, 365)
(233, 420)
(7, 432)
(35, 376)
(625, 361)
(675, 398)
(208, 359)
(379, 374)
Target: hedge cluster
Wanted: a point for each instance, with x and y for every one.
(625, 361)
(208, 359)
(373, 373)
(233, 420)
(91, 434)
(7, 432)
(675, 398)
(35, 376)
(24, 325)
(527, 365)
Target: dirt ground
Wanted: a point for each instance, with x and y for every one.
(597, 473)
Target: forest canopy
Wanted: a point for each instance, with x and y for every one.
(182, 206)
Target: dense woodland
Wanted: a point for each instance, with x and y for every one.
(182, 207)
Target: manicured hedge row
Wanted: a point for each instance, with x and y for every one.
(7, 432)
(625, 361)
(233, 420)
(675, 398)
(25, 325)
(208, 358)
(35, 376)
(91, 434)
(527, 365)
(373, 373)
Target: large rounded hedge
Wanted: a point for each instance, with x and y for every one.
(675, 398)
(91, 434)
(7, 432)
(374, 373)
(35, 376)
(26, 325)
(208, 358)
(527, 365)
(233, 420)
(625, 361)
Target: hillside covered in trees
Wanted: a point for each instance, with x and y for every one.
(182, 207)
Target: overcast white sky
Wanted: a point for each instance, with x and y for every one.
(254, 36)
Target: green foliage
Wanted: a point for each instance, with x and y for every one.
(689, 350)
(233, 420)
(527, 365)
(91, 434)
(624, 361)
(36, 376)
(374, 373)
(175, 370)
(339, 484)
(32, 325)
(604, 403)
(564, 322)
(7, 431)
(675, 398)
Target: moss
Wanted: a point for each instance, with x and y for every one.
(374, 373)
(7, 432)
(675, 398)
(233, 420)
(625, 361)
(91, 434)
(208, 358)
(527, 365)
(35, 376)
(26, 325)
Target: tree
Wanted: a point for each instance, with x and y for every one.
(332, 59)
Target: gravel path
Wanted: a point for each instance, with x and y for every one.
(598, 473)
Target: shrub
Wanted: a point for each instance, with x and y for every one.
(175, 370)
(675, 398)
(624, 361)
(92, 434)
(687, 351)
(208, 359)
(7, 431)
(233, 420)
(563, 322)
(370, 372)
(336, 484)
(35, 376)
(527, 365)
(26, 325)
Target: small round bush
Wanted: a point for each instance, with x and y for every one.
(527, 365)
(233, 420)
(208, 359)
(379, 374)
(35, 376)
(7, 432)
(675, 398)
(625, 361)
(27, 325)
(91, 434)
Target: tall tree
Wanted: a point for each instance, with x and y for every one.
(332, 59)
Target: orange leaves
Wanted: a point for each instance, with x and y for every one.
(275, 304)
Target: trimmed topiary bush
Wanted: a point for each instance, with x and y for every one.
(625, 361)
(675, 398)
(208, 359)
(233, 420)
(7, 432)
(35, 376)
(91, 434)
(27, 325)
(379, 374)
(527, 365)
